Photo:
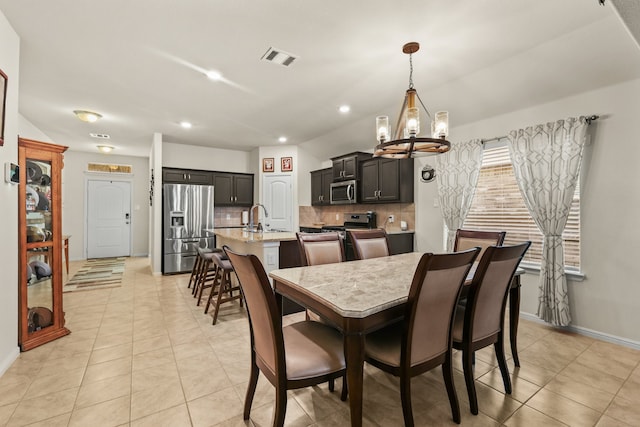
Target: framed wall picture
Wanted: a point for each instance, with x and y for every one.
(267, 164)
(286, 164)
(3, 103)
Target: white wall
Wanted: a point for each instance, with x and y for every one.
(155, 214)
(205, 158)
(74, 179)
(9, 62)
(608, 300)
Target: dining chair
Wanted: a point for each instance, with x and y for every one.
(294, 356)
(466, 239)
(479, 323)
(372, 243)
(422, 340)
(320, 248)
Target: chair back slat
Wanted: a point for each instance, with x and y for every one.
(320, 248)
(467, 239)
(369, 243)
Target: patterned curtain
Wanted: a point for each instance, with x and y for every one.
(457, 173)
(546, 162)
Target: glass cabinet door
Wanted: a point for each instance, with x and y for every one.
(40, 253)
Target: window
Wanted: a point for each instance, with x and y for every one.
(498, 205)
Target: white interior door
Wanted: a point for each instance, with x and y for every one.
(277, 197)
(108, 219)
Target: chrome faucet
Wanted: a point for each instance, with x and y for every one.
(266, 215)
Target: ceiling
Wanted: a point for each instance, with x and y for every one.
(142, 65)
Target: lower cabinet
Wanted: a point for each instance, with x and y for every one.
(400, 243)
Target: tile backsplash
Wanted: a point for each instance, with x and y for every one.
(333, 215)
(230, 216)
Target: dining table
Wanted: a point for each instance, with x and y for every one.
(361, 296)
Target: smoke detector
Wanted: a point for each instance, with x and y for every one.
(99, 135)
(278, 56)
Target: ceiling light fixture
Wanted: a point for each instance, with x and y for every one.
(344, 109)
(282, 139)
(185, 125)
(87, 116)
(214, 75)
(105, 148)
(407, 142)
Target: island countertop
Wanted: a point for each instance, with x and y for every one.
(244, 236)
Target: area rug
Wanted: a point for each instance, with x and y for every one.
(99, 273)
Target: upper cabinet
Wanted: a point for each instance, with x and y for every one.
(346, 167)
(387, 181)
(233, 189)
(41, 317)
(320, 187)
(186, 176)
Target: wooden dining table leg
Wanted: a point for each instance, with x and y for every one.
(514, 316)
(354, 353)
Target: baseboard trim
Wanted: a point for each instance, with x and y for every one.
(8, 360)
(614, 339)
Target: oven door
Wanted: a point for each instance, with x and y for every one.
(344, 193)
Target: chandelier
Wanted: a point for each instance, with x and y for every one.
(406, 141)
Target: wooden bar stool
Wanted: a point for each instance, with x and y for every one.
(206, 272)
(225, 287)
(197, 265)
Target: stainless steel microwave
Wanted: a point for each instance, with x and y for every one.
(344, 193)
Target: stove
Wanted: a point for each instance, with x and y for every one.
(366, 220)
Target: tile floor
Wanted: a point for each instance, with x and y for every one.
(143, 354)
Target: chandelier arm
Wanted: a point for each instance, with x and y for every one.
(399, 134)
(423, 106)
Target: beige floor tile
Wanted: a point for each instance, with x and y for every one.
(522, 390)
(13, 392)
(43, 407)
(152, 400)
(631, 389)
(6, 411)
(106, 414)
(153, 358)
(154, 377)
(152, 343)
(203, 412)
(590, 377)
(495, 404)
(178, 416)
(113, 340)
(185, 351)
(111, 353)
(610, 362)
(624, 410)
(52, 383)
(294, 417)
(527, 417)
(209, 381)
(198, 365)
(577, 391)
(606, 421)
(112, 368)
(59, 421)
(563, 409)
(103, 390)
(55, 366)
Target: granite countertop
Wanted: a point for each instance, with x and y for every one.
(244, 236)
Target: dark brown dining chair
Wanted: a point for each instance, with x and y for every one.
(422, 341)
(295, 356)
(320, 248)
(466, 239)
(372, 243)
(479, 323)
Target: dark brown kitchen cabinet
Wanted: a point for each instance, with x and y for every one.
(320, 186)
(186, 176)
(387, 181)
(400, 243)
(233, 189)
(346, 167)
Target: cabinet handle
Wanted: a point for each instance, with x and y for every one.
(184, 176)
(189, 177)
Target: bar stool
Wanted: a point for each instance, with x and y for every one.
(197, 265)
(206, 272)
(222, 280)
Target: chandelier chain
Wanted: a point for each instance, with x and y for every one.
(410, 71)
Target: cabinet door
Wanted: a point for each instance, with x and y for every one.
(198, 177)
(338, 169)
(369, 182)
(350, 167)
(316, 188)
(388, 180)
(400, 243)
(327, 179)
(174, 176)
(243, 186)
(223, 189)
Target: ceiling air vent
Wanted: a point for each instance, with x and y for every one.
(104, 167)
(279, 57)
(99, 135)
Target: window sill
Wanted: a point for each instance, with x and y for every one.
(571, 274)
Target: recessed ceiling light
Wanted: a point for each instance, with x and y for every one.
(105, 148)
(185, 125)
(282, 139)
(214, 75)
(87, 116)
(344, 109)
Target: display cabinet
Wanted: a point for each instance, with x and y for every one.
(41, 317)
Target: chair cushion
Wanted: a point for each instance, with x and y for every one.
(384, 344)
(312, 349)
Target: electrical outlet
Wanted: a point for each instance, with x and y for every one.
(228, 216)
(337, 217)
(392, 218)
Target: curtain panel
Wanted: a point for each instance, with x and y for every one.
(457, 173)
(546, 162)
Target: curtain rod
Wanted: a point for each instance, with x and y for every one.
(589, 119)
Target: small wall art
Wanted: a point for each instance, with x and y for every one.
(267, 164)
(286, 164)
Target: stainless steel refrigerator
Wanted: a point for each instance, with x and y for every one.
(187, 214)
